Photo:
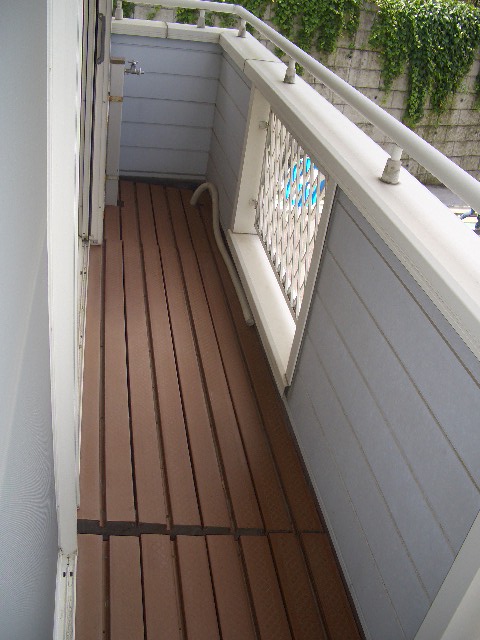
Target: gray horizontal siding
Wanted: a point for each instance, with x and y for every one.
(168, 112)
(229, 127)
(392, 393)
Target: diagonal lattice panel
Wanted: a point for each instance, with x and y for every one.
(290, 203)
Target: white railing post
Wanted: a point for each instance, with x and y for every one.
(391, 172)
(117, 74)
(242, 29)
(251, 169)
(201, 19)
(119, 10)
(290, 73)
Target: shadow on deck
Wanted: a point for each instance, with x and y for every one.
(196, 520)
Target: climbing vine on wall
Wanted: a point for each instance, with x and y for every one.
(435, 41)
(309, 23)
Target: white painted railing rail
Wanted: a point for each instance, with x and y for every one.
(460, 182)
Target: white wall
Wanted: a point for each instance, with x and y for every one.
(168, 112)
(28, 528)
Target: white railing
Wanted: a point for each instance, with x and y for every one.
(289, 205)
(461, 183)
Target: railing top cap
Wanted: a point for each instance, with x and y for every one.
(460, 182)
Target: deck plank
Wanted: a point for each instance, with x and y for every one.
(126, 608)
(90, 479)
(297, 590)
(334, 603)
(266, 594)
(235, 616)
(111, 223)
(240, 482)
(147, 454)
(198, 600)
(269, 490)
(240, 485)
(118, 466)
(90, 593)
(163, 619)
(185, 378)
(182, 491)
(299, 495)
(164, 281)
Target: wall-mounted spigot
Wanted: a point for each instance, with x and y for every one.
(133, 68)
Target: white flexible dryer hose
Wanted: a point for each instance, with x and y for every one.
(247, 314)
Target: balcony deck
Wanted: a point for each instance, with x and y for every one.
(196, 519)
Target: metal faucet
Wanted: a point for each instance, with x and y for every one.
(133, 68)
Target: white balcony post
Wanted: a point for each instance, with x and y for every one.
(249, 183)
(119, 10)
(290, 73)
(201, 19)
(117, 74)
(391, 172)
(242, 29)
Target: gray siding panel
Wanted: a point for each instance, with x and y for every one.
(181, 103)
(189, 114)
(138, 134)
(171, 87)
(229, 127)
(153, 162)
(391, 394)
(362, 575)
(398, 570)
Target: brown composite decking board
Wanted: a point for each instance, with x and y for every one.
(125, 585)
(147, 454)
(197, 589)
(336, 609)
(163, 618)
(111, 224)
(269, 491)
(182, 491)
(119, 491)
(299, 496)
(302, 608)
(209, 534)
(266, 593)
(234, 612)
(170, 324)
(90, 479)
(90, 593)
(240, 484)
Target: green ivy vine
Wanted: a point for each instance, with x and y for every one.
(308, 23)
(435, 41)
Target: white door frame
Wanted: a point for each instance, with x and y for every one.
(102, 79)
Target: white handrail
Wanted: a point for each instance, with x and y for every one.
(450, 174)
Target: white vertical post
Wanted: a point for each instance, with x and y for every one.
(201, 19)
(249, 183)
(117, 75)
(63, 106)
(100, 131)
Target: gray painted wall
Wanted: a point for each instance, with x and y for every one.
(168, 116)
(385, 405)
(28, 529)
(230, 121)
